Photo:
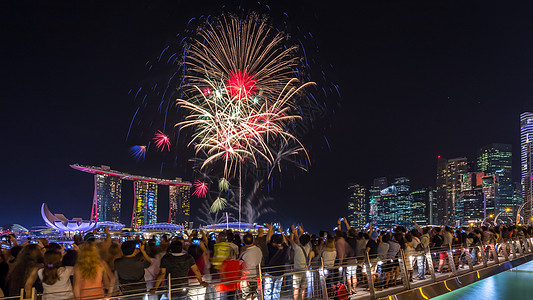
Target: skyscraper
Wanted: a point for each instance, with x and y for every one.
(496, 160)
(357, 205)
(526, 166)
(145, 205)
(108, 193)
(422, 207)
(180, 205)
(448, 181)
(404, 201)
(375, 197)
(470, 202)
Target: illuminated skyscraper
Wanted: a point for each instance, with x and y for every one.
(449, 173)
(496, 160)
(375, 198)
(470, 204)
(423, 205)
(357, 205)
(108, 190)
(404, 201)
(526, 166)
(145, 207)
(180, 205)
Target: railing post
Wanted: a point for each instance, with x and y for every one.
(451, 261)
(494, 253)
(468, 258)
(429, 261)
(370, 277)
(324, 284)
(403, 270)
(169, 287)
(260, 285)
(503, 246)
(483, 255)
(519, 246)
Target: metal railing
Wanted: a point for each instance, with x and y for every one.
(369, 276)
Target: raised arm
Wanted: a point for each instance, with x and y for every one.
(270, 231)
(29, 284)
(145, 255)
(158, 280)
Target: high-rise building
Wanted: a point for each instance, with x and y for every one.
(145, 206)
(448, 181)
(357, 205)
(423, 205)
(375, 198)
(496, 160)
(470, 202)
(180, 204)
(108, 193)
(404, 201)
(526, 159)
(387, 213)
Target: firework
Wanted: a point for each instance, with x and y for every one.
(162, 141)
(201, 189)
(218, 205)
(223, 185)
(138, 152)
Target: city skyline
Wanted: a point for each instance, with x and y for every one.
(443, 79)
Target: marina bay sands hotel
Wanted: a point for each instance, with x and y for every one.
(108, 192)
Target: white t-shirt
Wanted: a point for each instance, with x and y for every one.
(300, 264)
(252, 257)
(60, 290)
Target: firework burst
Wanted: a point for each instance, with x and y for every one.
(162, 141)
(138, 152)
(201, 189)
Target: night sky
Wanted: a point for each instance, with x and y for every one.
(417, 79)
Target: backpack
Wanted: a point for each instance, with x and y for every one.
(340, 292)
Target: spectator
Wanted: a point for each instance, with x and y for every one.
(251, 256)
(301, 246)
(55, 278)
(29, 258)
(130, 268)
(91, 274)
(278, 252)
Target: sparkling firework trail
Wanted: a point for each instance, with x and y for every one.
(201, 189)
(162, 141)
(241, 104)
(138, 152)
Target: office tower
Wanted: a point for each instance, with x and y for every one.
(145, 205)
(448, 181)
(470, 202)
(404, 202)
(375, 197)
(489, 188)
(526, 138)
(423, 205)
(387, 213)
(496, 160)
(180, 205)
(357, 205)
(107, 196)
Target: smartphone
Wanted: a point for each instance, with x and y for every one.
(5, 238)
(213, 237)
(196, 242)
(123, 239)
(68, 246)
(342, 219)
(6, 246)
(157, 240)
(34, 242)
(137, 246)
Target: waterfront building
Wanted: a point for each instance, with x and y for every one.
(387, 214)
(404, 202)
(526, 157)
(357, 203)
(180, 204)
(108, 195)
(145, 206)
(449, 172)
(496, 160)
(469, 207)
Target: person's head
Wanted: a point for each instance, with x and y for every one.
(304, 239)
(89, 237)
(338, 234)
(360, 235)
(385, 238)
(175, 247)
(52, 263)
(53, 247)
(69, 258)
(88, 261)
(276, 239)
(352, 233)
(484, 228)
(29, 257)
(425, 230)
(230, 236)
(222, 237)
(374, 236)
(248, 239)
(330, 243)
(195, 251)
(436, 230)
(128, 247)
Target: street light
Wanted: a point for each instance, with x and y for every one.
(496, 219)
(520, 209)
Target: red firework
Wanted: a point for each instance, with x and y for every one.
(162, 141)
(201, 189)
(240, 84)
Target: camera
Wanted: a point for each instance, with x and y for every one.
(196, 242)
(34, 242)
(68, 246)
(137, 246)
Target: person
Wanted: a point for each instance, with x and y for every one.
(252, 257)
(91, 274)
(278, 252)
(29, 258)
(351, 268)
(301, 246)
(222, 251)
(328, 257)
(436, 243)
(200, 255)
(55, 278)
(260, 241)
(130, 268)
(177, 264)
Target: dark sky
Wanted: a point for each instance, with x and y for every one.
(417, 79)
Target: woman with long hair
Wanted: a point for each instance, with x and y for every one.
(29, 259)
(54, 277)
(91, 274)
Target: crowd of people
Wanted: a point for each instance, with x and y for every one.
(227, 264)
